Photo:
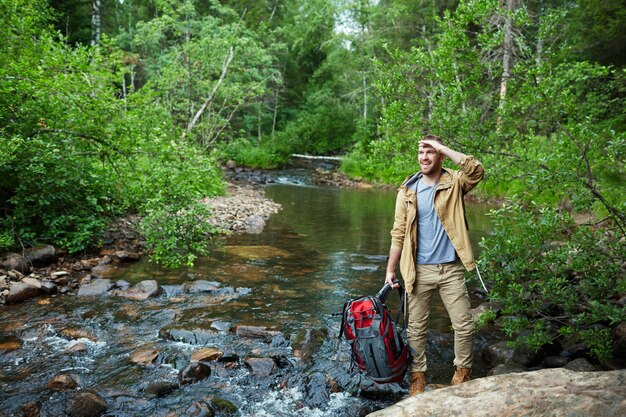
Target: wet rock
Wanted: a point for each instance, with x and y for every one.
(256, 332)
(63, 382)
(42, 256)
(222, 326)
(10, 344)
(279, 341)
(317, 392)
(555, 362)
(580, 365)
(260, 366)
(126, 256)
(201, 286)
(77, 349)
(192, 337)
(161, 388)
(103, 271)
(223, 406)
(199, 409)
(74, 334)
(19, 292)
(547, 392)
(497, 353)
(31, 409)
(122, 285)
(194, 372)
(142, 291)
(48, 287)
(144, 357)
(86, 403)
(254, 224)
(15, 261)
(308, 342)
(95, 288)
(206, 355)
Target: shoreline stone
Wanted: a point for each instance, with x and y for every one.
(554, 392)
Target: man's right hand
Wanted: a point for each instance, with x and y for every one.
(391, 280)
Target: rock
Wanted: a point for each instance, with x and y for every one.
(142, 291)
(33, 282)
(161, 388)
(548, 392)
(526, 357)
(317, 393)
(95, 288)
(144, 357)
(307, 342)
(42, 256)
(580, 365)
(48, 287)
(19, 292)
(199, 409)
(15, 261)
(507, 368)
(194, 372)
(77, 349)
(192, 337)
(86, 403)
(31, 409)
(256, 332)
(254, 224)
(201, 286)
(103, 271)
(260, 366)
(206, 355)
(555, 361)
(224, 406)
(75, 334)
(10, 344)
(122, 284)
(63, 382)
(126, 256)
(497, 353)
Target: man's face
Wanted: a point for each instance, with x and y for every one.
(430, 160)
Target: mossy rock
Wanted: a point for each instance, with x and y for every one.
(224, 406)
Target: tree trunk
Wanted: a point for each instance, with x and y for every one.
(506, 57)
(95, 22)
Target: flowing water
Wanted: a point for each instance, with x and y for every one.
(325, 246)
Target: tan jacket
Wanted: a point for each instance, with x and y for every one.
(449, 206)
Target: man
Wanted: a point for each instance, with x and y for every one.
(431, 244)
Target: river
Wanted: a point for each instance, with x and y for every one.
(325, 246)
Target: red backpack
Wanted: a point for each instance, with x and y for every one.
(378, 347)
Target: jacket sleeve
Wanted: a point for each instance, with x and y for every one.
(471, 173)
(399, 222)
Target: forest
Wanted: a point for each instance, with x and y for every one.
(110, 107)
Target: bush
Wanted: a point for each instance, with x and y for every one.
(555, 280)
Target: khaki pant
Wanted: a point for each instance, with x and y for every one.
(450, 281)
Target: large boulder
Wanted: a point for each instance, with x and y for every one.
(42, 255)
(548, 392)
(142, 291)
(15, 261)
(20, 291)
(95, 288)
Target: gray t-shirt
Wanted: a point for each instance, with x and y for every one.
(433, 244)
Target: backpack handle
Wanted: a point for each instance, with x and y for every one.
(385, 290)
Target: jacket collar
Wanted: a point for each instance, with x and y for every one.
(444, 182)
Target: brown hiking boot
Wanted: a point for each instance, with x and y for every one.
(418, 382)
(461, 375)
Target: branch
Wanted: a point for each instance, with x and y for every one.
(212, 95)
